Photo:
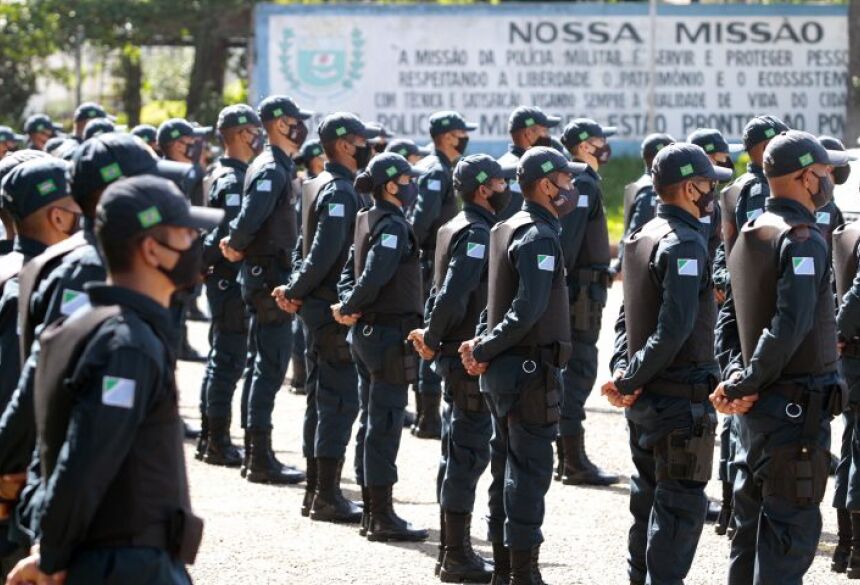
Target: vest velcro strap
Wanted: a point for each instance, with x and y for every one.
(692, 392)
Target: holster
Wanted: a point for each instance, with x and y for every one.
(466, 391)
(540, 397)
(585, 312)
(688, 454)
(331, 344)
(264, 306)
(233, 317)
(399, 365)
(185, 531)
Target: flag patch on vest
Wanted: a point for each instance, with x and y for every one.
(546, 262)
(755, 189)
(515, 187)
(475, 250)
(705, 219)
(582, 201)
(336, 210)
(233, 200)
(264, 185)
(822, 217)
(118, 392)
(389, 241)
(688, 267)
(751, 215)
(434, 185)
(803, 265)
(72, 301)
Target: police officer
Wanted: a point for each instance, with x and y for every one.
(381, 300)
(528, 126)
(263, 235)
(149, 135)
(585, 241)
(640, 199)
(125, 396)
(784, 382)
(830, 216)
(311, 158)
(98, 126)
(380, 143)
(84, 113)
(9, 140)
(408, 150)
(664, 366)
(242, 136)
(39, 128)
(329, 207)
(436, 204)
(458, 296)
(518, 353)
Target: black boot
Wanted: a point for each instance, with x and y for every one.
(310, 486)
(712, 514)
(246, 442)
(203, 438)
(578, 469)
(524, 567)
(220, 450)
(501, 565)
(385, 524)
(329, 504)
(365, 511)
(839, 562)
(263, 466)
(559, 469)
(461, 564)
(429, 423)
(854, 559)
(441, 553)
(726, 509)
(299, 377)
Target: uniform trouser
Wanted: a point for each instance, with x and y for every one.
(382, 403)
(299, 345)
(126, 566)
(776, 539)
(429, 382)
(333, 381)
(578, 379)
(445, 444)
(228, 340)
(668, 516)
(273, 339)
(467, 453)
(724, 469)
(248, 372)
(847, 485)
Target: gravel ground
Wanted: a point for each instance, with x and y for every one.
(255, 535)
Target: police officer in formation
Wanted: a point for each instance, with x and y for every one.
(149, 135)
(39, 128)
(125, 396)
(664, 367)
(408, 149)
(9, 140)
(330, 205)
(436, 205)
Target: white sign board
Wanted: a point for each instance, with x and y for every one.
(714, 65)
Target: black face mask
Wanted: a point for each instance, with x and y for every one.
(462, 144)
(824, 195)
(407, 194)
(256, 144)
(379, 147)
(297, 134)
(705, 203)
(76, 221)
(499, 200)
(193, 150)
(565, 200)
(189, 267)
(727, 164)
(543, 141)
(362, 155)
(840, 174)
(602, 153)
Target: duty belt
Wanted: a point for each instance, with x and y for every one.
(392, 319)
(803, 399)
(692, 392)
(221, 270)
(450, 348)
(282, 260)
(588, 276)
(550, 354)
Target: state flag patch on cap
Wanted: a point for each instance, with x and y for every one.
(546, 262)
(118, 392)
(688, 267)
(803, 265)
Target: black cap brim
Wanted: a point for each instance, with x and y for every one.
(609, 131)
(576, 168)
(413, 172)
(471, 127)
(371, 132)
(203, 218)
(172, 170)
(427, 151)
(552, 121)
(203, 131)
(839, 158)
(719, 174)
(304, 114)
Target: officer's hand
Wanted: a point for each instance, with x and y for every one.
(472, 366)
(27, 572)
(720, 296)
(416, 336)
(10, 488)
(743, 404)
(348, 320)
(289, 305)
(719, 399)
(229, 253)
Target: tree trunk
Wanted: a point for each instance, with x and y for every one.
(206, 87)
(132, 73)
(852, 127)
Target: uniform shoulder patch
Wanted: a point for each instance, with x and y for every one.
(336, 210)
(264, 185)
(475, 250)
(73, 300)
(515, 187)
(754, 213)
(546, 262)
(803, 265)
(822, 217)
(118, 392)
(706, 219)
(389, 241)
(434, 184)
(233, 200)
(755, 189)
(688, 267)
(582, 201)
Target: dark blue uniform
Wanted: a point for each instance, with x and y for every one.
(516, 203)
(794, 407)
(265, 231)
(668, 508)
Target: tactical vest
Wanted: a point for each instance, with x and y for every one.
(643, 296)
(630, 193)
(30, 277)
(595, 245)
(754, 266)
(448, 205)
(146, 503)
(213, 173)
(404, 293)
(277, 236)
(729, 204)
(478, 297)
(846, 239)
(10, 267)
(554, 325)
(516, 202)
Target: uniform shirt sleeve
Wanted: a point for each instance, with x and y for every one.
(431, 190)
(676, 318)
(85, 468)
(468, 260)
(797, 292)
(721, 271)
(618, 361)
(17, 431)
(389, 244)
(226, 194)
(848, 320)
(10, 352)
(643, 210)
(334, 229)
(531, 300)
(727, 343)
(347, 276)
(257, 205)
